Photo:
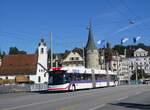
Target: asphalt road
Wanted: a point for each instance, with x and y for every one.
(135, 97)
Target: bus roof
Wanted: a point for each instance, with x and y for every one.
(83, 70)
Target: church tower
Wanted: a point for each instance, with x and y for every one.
(92, 55)
(42, 60)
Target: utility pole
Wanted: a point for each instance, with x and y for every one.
(125, 52)
(93, 78)
(118, 68)
(104, 58)
(107, 74)
(128, 73)
(136, 75)
(51, 49)
(83, 55)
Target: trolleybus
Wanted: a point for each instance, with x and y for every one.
(75, 78)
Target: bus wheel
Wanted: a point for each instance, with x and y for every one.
(73, 88)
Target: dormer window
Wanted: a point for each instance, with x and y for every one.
(77, 58)
(71, 58)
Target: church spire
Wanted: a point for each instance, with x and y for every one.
(90, 44)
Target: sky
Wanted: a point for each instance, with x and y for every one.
(24, 22)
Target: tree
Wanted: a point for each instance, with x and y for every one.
(15, 50)
(119, 49)
(36, 51)
(140, 73)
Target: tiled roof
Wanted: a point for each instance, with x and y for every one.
(19, 64)
(90, 43)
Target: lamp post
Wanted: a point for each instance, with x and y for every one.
(83, 54)
(51, 60)
(93, 78)
(136, 73)
(129, 82)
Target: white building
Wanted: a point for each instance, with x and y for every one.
(140, 63)
(124, 73)
(23, 67)
(141, 60)
(41, 75)
(140, 53)
(73, 59)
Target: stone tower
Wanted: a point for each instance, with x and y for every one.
(92, 55)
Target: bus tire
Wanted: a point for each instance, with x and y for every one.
(72, 88)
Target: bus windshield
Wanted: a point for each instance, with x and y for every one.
(58, 77)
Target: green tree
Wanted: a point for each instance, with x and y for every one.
(140, 73)
(15, 50)
(119, 49)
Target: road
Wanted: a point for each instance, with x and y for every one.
(135, 97)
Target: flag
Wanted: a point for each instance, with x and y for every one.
(101, 42)
(135, 39)
(124, 40)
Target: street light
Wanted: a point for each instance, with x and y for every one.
(136, 74)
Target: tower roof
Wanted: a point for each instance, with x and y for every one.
(90, 44)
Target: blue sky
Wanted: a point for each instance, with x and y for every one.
(24, 22)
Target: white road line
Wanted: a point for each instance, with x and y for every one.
(96, 107)
(122, 98)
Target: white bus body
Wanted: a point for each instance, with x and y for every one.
(75, 78)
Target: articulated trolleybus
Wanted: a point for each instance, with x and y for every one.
(75, 78)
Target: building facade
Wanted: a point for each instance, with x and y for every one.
(73, 59)
(140, 53)
(141, 60)
(41, 74)
(30, 67)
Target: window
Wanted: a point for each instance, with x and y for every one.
(42, 50)
(44, 74)
(77, 58)
(28, 77)
(39, 79)
(71, 58)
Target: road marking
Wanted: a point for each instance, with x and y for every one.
(122, 98)
(96, 107)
